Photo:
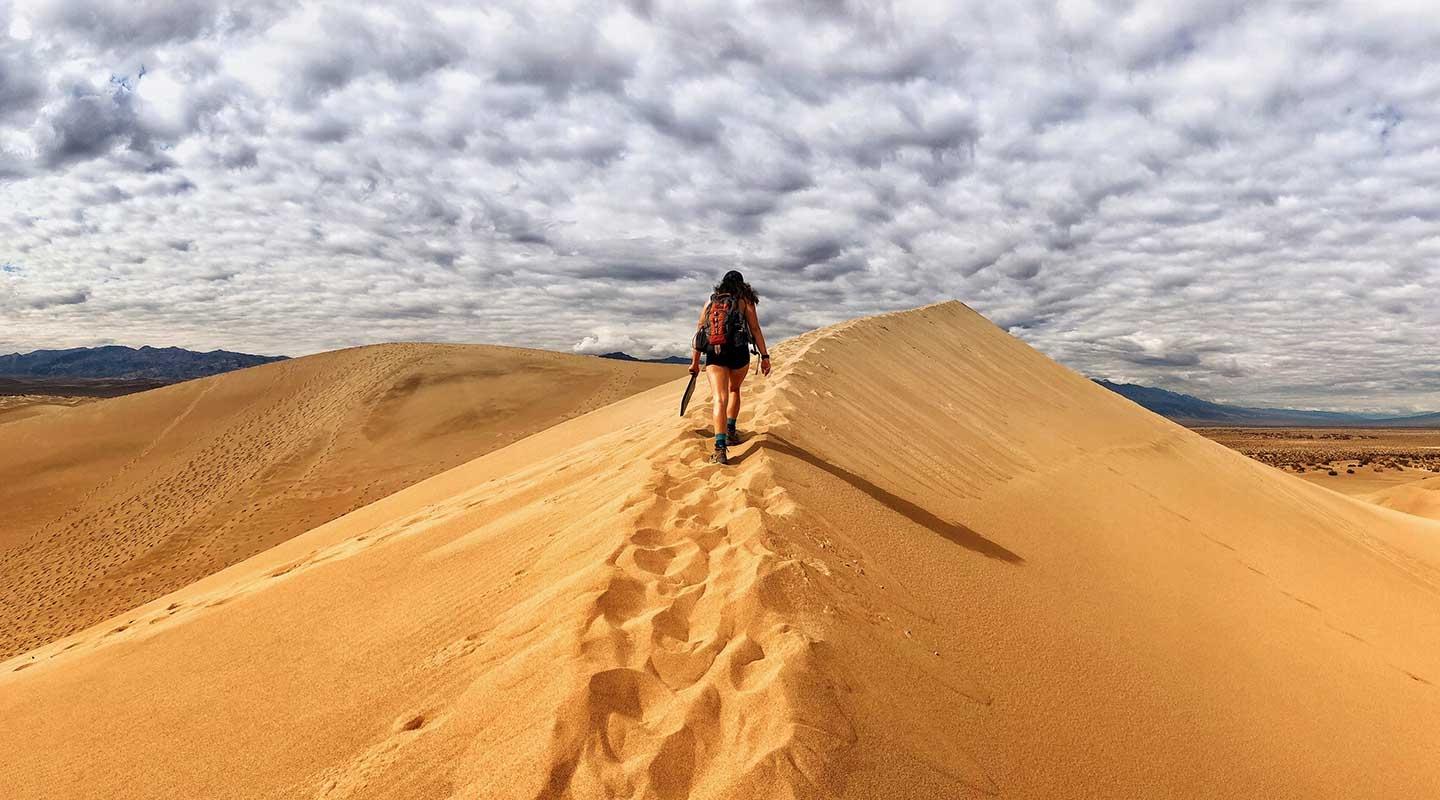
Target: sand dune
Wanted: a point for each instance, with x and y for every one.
(113, 503)
(1420, 497)
(16, 407)
(944, 567)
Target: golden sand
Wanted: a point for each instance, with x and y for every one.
(115, 502)
(942, 566)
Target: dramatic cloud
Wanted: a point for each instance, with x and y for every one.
(71, 298)
(1231, 199)
(20, 86)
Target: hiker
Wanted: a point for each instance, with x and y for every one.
(727, 324)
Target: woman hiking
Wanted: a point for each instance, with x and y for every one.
(727, 323)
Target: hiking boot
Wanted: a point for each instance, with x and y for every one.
(733, 438)
(719, 456)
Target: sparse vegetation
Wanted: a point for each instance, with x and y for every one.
(1329, 451)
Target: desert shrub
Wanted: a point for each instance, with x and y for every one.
(1332, 472)
(1349, 472)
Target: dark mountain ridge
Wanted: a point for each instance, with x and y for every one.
(618, 356)
(116, 362)
(1195, 412)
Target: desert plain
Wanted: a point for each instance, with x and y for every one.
(1395, 468)
(940, 566)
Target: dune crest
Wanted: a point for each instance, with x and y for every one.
(942, 566)
(113, 503)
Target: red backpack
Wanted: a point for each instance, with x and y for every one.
(724, 324)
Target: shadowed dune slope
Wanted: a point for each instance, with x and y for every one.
(942, 566)
(113, 503)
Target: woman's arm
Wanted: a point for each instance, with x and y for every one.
(694, 352)
(754, 321)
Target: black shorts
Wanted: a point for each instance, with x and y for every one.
(729, 357)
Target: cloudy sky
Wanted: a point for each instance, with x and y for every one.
(1233, 199)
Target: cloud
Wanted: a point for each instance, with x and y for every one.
(326, 48)
(1229, 199)
(557, 52)
(22, 86)
(327, 129)
(74, 297)
(129, 23)
(607, 340)
(90, 122)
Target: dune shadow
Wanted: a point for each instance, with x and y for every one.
(959, 534)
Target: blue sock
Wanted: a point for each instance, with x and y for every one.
(719, 440)
(730, 425)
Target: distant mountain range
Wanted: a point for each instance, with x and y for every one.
(161, 364)
(1193, 411)
(627, 357)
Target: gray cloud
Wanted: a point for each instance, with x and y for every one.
(21, 84)
(129, 23)
(557, 52)
(92, 121)
(73, 297)
(328, 129)
(1231, 199)
(357, 45)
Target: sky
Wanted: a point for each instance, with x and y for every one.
(1235, 200)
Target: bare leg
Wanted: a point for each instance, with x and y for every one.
(737, 377)
(719, 394)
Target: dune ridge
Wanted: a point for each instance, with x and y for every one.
(942, 566)
(113, 503)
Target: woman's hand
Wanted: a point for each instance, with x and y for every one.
(694, 362)
(765, 364)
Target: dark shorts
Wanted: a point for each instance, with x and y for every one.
(729, 358)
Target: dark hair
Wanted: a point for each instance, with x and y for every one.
(734, 283)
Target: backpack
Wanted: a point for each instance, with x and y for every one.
(724, 324)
